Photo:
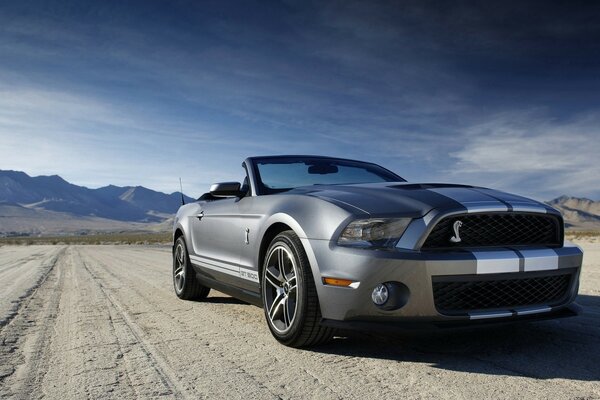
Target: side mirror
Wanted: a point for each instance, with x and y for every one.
(226, 189)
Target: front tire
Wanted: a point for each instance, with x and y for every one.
(185, 283)
(289, 295)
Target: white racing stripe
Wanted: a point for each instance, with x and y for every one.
(225, 268)
(525, 207)
(215, 268)
(485, 207)
(495, 202)
(494, 262)
(540, 259)
(492, 314)
(537, 310)
(509, 313)
(215, 263)
(465, 199)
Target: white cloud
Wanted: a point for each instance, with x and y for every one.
(91, 142)
(541, 156)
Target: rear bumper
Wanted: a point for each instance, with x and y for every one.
(417, 270)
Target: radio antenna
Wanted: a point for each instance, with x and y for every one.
(181, 192)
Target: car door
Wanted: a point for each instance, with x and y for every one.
(217, 239)
(253, 218)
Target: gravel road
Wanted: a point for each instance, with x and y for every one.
(103, 322)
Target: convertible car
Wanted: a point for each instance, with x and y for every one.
(323, 243)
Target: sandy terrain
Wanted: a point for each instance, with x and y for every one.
(103, 322)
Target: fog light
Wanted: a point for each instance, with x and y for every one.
(380, 294)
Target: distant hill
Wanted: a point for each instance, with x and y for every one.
(50, 198)
(579, 213)
(51, 205)
(16, 220)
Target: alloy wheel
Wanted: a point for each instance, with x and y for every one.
(179, 271)
(281, 290)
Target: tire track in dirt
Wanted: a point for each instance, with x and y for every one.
(118, 331)
(311, 373)
(22, 275)
(72, 341)
(25, 336)
(152, 307)
(153, 357)
(383, 364)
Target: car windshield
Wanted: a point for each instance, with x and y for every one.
(279, 174)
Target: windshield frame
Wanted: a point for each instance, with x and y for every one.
(262, 189)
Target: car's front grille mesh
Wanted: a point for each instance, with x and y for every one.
(497, 229)
(480, 294)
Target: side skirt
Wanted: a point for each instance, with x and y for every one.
(242, 294)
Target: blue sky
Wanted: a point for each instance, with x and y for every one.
(499, 94)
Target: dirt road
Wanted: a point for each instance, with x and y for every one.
(103, 322)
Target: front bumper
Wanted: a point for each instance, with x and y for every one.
(417, 270)
(407, 325)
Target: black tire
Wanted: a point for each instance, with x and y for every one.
(188, 288)
(304, 328)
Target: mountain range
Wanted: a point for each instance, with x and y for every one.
(45, 205)
(28, 204)
(579, 213)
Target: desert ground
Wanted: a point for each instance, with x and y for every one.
(103, 322)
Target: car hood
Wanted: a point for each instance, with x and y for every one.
(417, 199)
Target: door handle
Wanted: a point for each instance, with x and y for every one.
(200, 215)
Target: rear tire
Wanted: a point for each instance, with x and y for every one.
(289, 295)
(185, 283)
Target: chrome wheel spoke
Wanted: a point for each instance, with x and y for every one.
(281, 264)
(286, 312)
(280, 288)
(179, 269)
(292, 282)
(179, 255)
(276, 306)
(275, 284)
(274, 275)
(179, 279)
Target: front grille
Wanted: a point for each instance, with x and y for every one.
(463, 294)
(497, 229)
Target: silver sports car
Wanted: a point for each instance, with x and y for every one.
(323, 243)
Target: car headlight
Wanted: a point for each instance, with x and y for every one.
(374, 232)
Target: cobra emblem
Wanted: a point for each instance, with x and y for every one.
(456, 238)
